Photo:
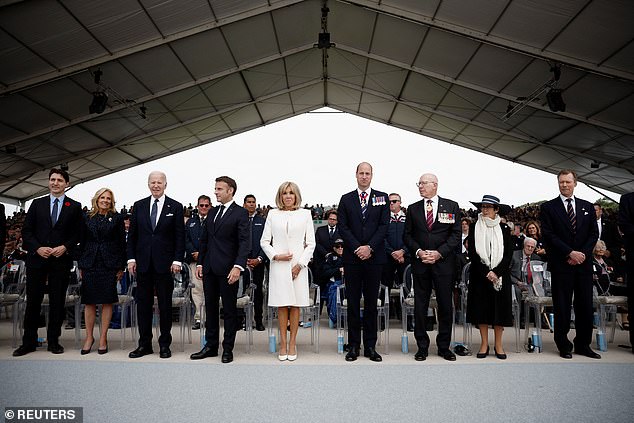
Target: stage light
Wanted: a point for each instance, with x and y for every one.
(99, 102)
(11, 149)
(64, 167)
(555, 100)
(595, 164)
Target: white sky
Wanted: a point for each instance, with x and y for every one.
(320, 151)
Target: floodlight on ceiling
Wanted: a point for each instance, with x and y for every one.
(595, 164)
(99, 102)
(553, 95)
(64, 167)
(100, 98)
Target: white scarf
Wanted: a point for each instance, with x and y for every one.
(489, 243)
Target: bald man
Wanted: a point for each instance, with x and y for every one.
(156, 248)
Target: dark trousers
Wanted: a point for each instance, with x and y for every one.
(565, 282)
(216, 286)
(147, 284)
(258, 297)
(57, 272)
(423, 285)
(362, 279)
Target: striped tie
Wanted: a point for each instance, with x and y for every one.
(571, 215)
(364, 204)
(430, 215)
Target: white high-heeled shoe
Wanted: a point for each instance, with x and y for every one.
(292, 357)
(283, 357)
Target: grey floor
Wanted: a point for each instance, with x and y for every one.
(322, 387)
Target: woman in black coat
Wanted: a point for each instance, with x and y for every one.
(102, 262)
(489, 297)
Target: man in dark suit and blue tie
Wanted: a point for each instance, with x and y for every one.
(256, 259)
(432, 235)
(626, 224)
(50, 234)
(224, 247)
(156, 249)
(364, 216)
(325, 237)
(570, 233)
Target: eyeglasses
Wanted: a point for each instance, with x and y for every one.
(394, 201)
(420, 184)
(204, 205)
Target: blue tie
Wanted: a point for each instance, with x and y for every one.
(54, 212)
(154, 213)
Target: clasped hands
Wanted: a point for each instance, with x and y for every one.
(429, 256)
(399, 256)
(575, 258)
(288, 257)
(364, 252)
(174, 269)
(46, 252)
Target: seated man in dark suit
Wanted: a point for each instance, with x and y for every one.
(256, 260)
(324, 239)
(52, 229)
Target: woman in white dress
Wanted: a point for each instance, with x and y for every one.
(288, 241)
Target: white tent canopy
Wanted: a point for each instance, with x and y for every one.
(203, 70)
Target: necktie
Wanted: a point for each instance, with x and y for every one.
(571, 215)
(430, 215)
(250, 236)
(364, 204)
(154, 213)
(529, 271)
(332, 232)
(394, 218)
(54, 212)
(219, 214)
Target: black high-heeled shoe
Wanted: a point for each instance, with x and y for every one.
(500, 356)
(483, 355)
(102, 352)
(84, 352)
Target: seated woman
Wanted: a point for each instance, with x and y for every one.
(534, 231)
(332, 271)
(606, 280)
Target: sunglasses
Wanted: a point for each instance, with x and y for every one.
(204, 205)
(394, 201)
(338, 245)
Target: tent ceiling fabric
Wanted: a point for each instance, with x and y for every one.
(208, 69)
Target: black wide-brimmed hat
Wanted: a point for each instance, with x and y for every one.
(493, 200)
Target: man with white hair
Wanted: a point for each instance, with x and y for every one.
(156, 248)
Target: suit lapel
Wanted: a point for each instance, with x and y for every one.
(167, 208)
(221, 219)
(62, 210)
(145, 211)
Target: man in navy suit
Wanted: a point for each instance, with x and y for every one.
(224, 247)
(193, 230)
(570, 233)
(256, 259)
(325, 237)
(156, 249)
(364, 216)
(626, 224)
(432, 234)
(50, 234)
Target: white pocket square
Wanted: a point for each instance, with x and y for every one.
(169, 214)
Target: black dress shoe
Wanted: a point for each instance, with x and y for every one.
(501, 356)
(353, 353)
(165, 352)
(447, 355)
(227, 357)
(23, 350)
(484, 354)
(196, 326)
(55, 348)
(259, 327)
(140, 352)
(587, 351)
(204, 353)
(372, 354)
(565, 354)
(421, 355)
